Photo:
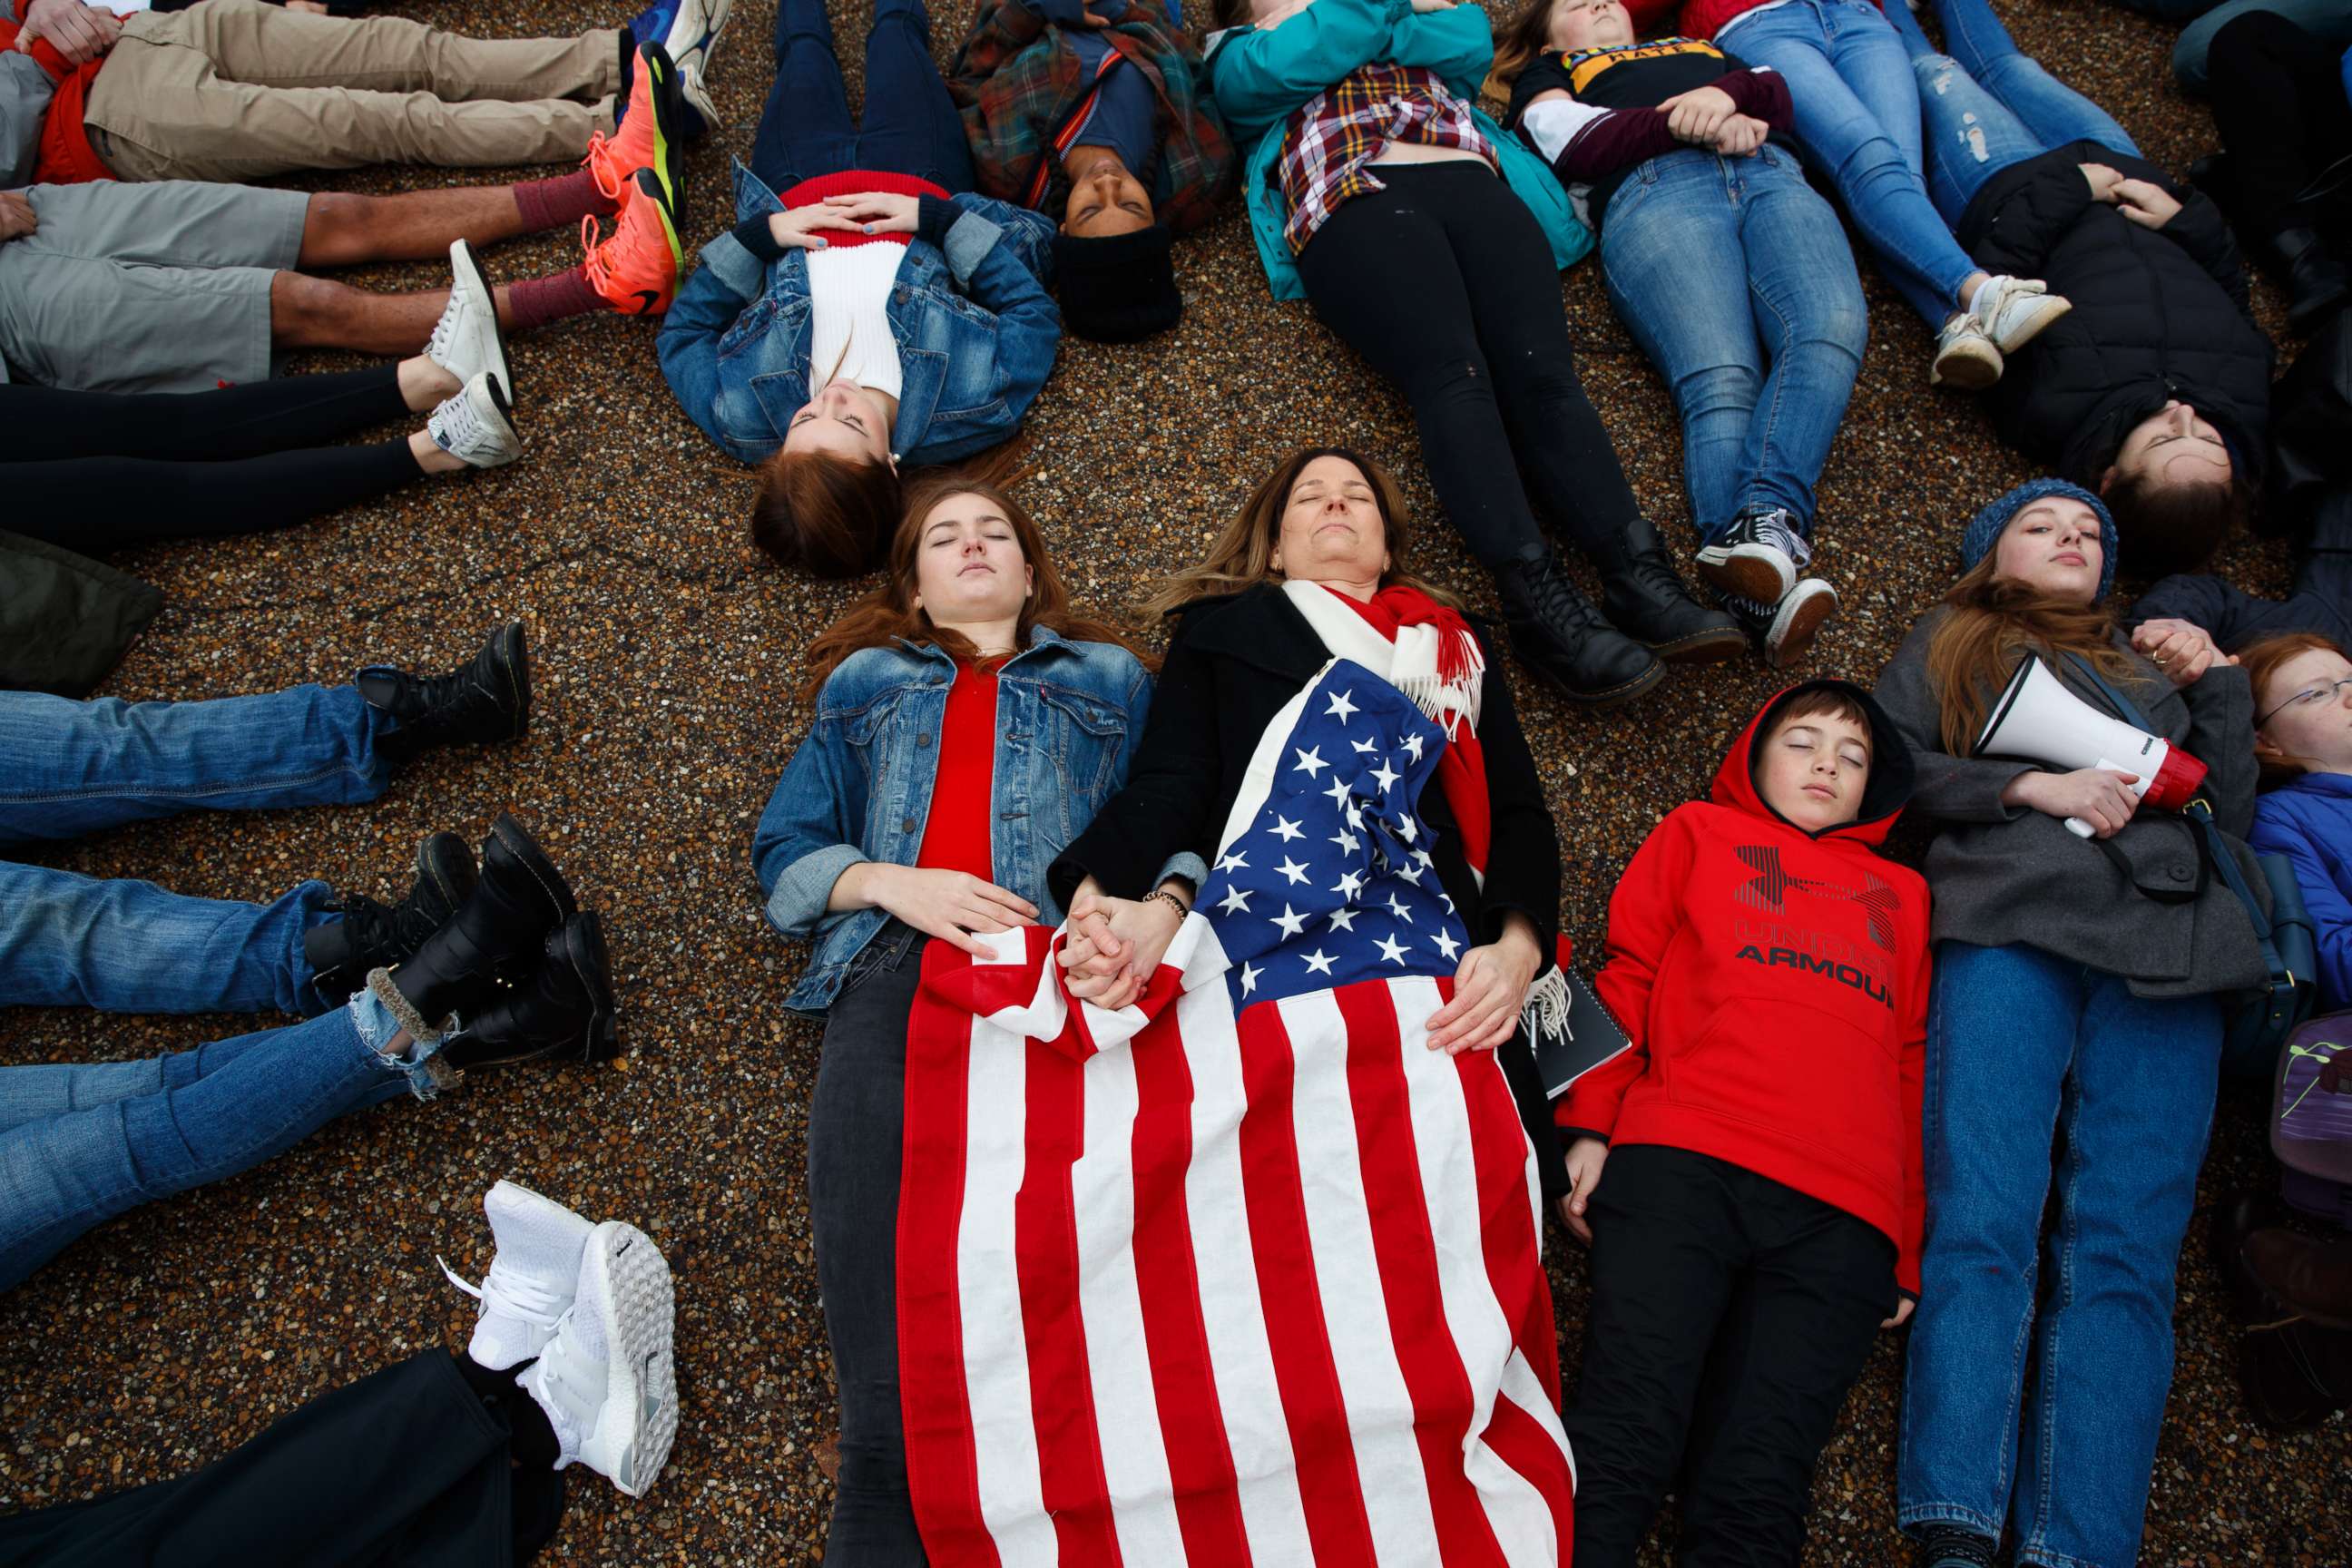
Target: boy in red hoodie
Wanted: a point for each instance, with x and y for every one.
(1760, 1216)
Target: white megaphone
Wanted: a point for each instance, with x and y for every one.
(2037, 720)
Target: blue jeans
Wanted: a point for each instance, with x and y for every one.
(1987, 106)
(79, 1145)
(2022, 1047)
(1736, 279)
(910, 126)
(70, 768)
(1857, 112)
(120, 946)
(2329, 21)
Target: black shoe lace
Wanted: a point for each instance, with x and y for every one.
(1556, 603)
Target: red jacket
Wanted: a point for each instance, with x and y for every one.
(1699, 18)
(1774, 986)
(66, 157)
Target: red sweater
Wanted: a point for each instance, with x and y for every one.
(857, 183)
(66, 157)
(956, 833)
(1774, 986)
(1700, 18)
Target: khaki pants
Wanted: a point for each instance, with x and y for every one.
(235, 90)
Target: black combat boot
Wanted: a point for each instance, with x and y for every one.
(496, 933)
(376, 936)
(1557, 634)
(566, 1009)
(1643, 596)
(487, 700)
(2317, 283)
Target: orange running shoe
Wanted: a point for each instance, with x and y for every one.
(635, 268)
(651, 133)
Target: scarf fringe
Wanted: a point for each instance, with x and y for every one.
(1452, 695)
(1545, 1011)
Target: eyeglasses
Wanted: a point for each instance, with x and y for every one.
(2310, 696)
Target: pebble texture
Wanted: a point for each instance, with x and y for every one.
(668, 657)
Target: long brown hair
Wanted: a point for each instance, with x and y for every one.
(1517, 42)
(1242, 556)
(889, 613)
(1991, 624)
(826, 514)
(2261, 660)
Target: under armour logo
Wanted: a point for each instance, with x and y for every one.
(1771, 886)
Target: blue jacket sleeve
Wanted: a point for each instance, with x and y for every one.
(729, 279)
(1457, 43)
(806, 836)
(2275, 832)
(985, 250)
(1260, 74)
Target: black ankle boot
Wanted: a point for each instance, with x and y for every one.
(1642, 596)
(2317, 282)
(1557, 634)
(497, 932)
(375, 936)
(1953, 1546)
(487, 700)
(566, 1007)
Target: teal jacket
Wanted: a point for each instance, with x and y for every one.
(1262, 75)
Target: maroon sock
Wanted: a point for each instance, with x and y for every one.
(561, 201)
(536, 301)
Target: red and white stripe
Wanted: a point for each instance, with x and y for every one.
(1178, 1287)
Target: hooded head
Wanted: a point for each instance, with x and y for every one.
(1805, 759)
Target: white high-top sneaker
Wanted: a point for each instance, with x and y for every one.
(532, 1275)
(608, 1380)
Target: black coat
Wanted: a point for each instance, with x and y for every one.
(2159, 314)
(1232, 665)
(65, 619)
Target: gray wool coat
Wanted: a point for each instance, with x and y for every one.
(2002, 874)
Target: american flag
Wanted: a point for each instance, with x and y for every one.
(1243, 1273)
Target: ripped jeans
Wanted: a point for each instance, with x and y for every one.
(1987, 106)
(80, 1143)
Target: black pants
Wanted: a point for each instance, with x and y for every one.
(1730, 1315)
(431, 1462)
(1444, 283)
(2278, 101)
(95, 471)
(856, 1127)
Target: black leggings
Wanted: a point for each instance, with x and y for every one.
(2278, 101)
(1445, 282)
(95, 471)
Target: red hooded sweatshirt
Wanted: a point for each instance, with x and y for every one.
(1774, 984)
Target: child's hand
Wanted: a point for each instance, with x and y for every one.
(1585, 1158)
(2145, 203)
(1741, 135)
(1902, 1315)
(1695, 116)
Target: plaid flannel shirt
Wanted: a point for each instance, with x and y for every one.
(1019, 87)
(1334, 136)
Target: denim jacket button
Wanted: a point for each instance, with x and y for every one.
(922, 741)
(908, 825)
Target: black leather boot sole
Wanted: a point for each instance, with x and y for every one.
(567, 1008)
(1710, 646)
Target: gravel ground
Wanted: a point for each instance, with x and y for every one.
(668, 655)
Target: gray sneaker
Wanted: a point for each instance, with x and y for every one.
(475, 426)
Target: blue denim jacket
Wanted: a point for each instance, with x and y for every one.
(976, 333)
(859, 788)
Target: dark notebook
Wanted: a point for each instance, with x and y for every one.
(1591, 1038)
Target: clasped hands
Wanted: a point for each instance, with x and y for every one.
(867, 212)
(1707, 117)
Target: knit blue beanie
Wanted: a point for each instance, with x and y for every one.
(1985, 528)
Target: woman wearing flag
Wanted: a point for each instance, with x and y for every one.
(968, 722)
(1313, 569)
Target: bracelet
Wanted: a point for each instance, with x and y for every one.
(1174, 902)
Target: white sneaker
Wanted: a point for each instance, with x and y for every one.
(2013, 311)
(467, 340)
(608, 1380)
(476, 426)
(1965, 357)
(532, 1275)
(694, 32)
(696, 96)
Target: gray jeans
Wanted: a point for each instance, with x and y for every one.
(855, 1125)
